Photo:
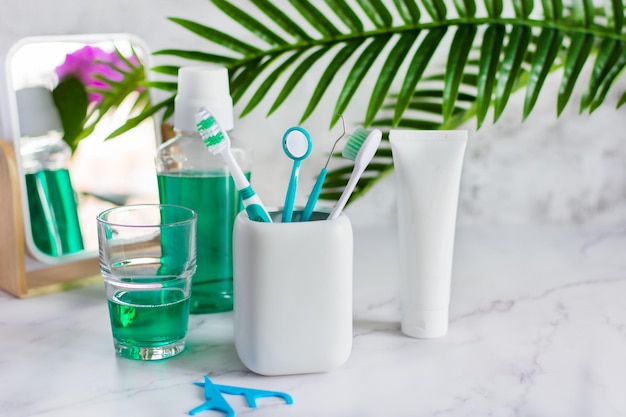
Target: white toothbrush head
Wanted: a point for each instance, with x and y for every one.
(214, 137)
(362, 145)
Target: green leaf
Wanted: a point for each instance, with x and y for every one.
(281, 19)
(465, 8)
(376, 12)
(163, 85)
(547, 48)
(583, 12)
(389, 70)
(328, 75)
(436, 9)
(244, 78)
(216, 36)
(269, 82)
(553, 9)
(416, 69)
(166, 69)
(622, 100)
(523, 8)
(577, 54)
(608, 81)
(315, 18)
(70, 98)
(356, 75)
(433, 108)
(346, 14)
(408, 10)
(494, 8)
(296, 76)
(614, 10)
(610, 50)
(489, 59)
(510, 67)
(248, 22)
(459, 51)
(196, 56)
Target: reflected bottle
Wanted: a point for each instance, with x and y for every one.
(45, 158)
(189, 175)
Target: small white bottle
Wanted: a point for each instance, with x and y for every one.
(191, 176)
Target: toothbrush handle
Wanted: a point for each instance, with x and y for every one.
(347, 192)
(291, 192)
(251, 201)
(315, 193)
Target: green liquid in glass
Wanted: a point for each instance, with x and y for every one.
(148, 319)
(216, 200)
(53, 214)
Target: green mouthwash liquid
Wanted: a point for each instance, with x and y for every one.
(148, 319)
(214, 197)
(53, 213)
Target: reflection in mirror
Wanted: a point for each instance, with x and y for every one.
(67, 96)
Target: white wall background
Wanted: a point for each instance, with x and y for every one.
(542, 171)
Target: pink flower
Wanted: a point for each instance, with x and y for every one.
(84, 63)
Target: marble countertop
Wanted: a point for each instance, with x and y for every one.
(537, 328)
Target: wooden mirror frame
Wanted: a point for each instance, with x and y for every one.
(14, 277)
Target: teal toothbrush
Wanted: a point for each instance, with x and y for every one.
(361, 148)
(317, 188)
(218, 142)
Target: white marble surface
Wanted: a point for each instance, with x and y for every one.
(538, 328)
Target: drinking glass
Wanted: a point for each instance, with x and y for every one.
(147, 260)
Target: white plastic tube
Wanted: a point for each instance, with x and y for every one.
(428, 173)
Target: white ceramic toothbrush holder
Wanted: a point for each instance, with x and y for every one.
(293, 293)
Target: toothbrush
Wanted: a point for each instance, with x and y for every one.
(317, 188)
(218, 142)
(361, 148)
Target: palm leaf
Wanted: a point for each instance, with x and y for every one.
(579, 49)
(297, 76)
(609, 53)
(510, 67)
(356, 75)
(392, 40)
(281, 19)
(250, 23)
(328, 75)
(408, 10)
(489, 59)
(415, 70)
(390, 68)
(543, 59)
(459, 51)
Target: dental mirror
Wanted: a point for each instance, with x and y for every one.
(297, 146)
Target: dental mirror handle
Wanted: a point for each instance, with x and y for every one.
(315, 193)
(291, 192)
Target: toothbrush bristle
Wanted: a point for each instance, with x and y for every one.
(210, 131)
(354, 143)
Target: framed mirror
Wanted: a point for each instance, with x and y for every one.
(65, 182)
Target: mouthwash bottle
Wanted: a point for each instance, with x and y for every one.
(45, 158)
(189, 175)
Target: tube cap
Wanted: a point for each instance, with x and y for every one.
(203, 85)
(37, 112)
(425, 324)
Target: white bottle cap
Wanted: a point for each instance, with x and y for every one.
(199, 86)
(425, 324)
(37, 112)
